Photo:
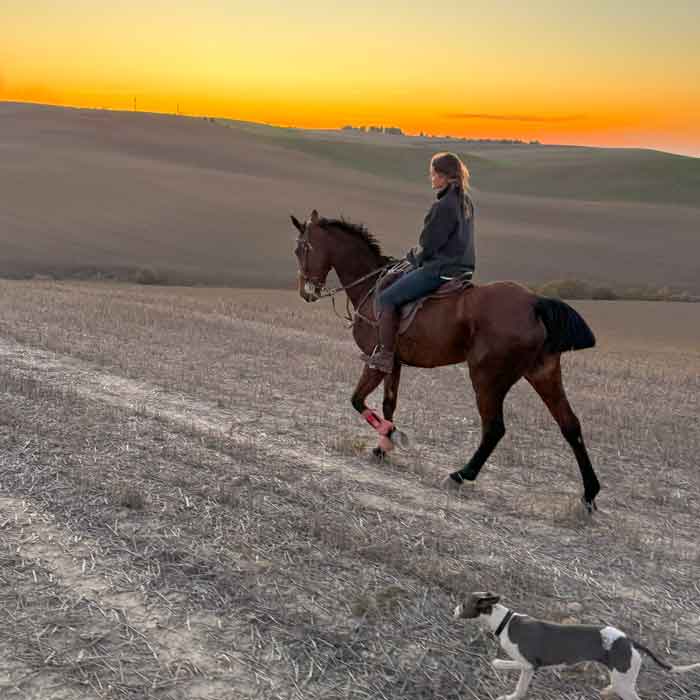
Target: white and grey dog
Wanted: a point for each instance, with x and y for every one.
(533, 644)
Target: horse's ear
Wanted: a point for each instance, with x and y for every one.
(297, 224)
(315, 217)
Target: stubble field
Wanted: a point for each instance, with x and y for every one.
(188, 510)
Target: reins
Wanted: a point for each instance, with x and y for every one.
(332, 292)
(350, 314)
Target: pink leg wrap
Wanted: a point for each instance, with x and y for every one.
(382, 426)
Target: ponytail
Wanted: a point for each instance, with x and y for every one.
(451, 166)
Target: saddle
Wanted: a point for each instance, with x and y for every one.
(451, 286)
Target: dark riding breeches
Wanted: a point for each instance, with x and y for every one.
(413, 285)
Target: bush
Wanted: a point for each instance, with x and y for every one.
(578, 289)
(603, 293)
(566, 289)
(147, 275)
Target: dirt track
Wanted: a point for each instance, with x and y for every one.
(178, 534)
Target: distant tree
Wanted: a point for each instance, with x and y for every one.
(566, 289)
(147, 275)
(603, 294)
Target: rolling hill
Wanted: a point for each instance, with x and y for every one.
(207, 201)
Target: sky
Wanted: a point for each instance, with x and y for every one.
(603, 72)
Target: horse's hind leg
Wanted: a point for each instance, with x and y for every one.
(490, 394)
(547, 382)
(369, 381)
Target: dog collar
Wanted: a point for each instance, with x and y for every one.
(506, 619)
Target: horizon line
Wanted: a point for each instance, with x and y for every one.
(517, 141)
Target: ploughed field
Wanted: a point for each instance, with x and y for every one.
(188, 508)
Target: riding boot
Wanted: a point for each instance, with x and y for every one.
(383, 356)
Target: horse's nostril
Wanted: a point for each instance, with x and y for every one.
(311, 292)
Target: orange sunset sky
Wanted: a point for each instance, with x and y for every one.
(599, 73)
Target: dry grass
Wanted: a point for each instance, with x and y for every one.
(268, 557)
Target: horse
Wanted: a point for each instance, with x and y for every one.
(502, 330)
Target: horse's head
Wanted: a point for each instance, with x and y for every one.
(312, 256)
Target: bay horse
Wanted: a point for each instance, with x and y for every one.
(502, 330)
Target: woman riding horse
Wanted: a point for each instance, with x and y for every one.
(445, 250)
(502, 330)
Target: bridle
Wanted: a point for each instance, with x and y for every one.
(304, 246)
(318, 290)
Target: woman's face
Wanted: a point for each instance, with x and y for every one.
(437, 180)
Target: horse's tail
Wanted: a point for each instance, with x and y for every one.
(566, 329)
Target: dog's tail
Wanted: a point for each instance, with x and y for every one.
(684, 669)
(663, 664)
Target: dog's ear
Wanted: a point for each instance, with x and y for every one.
(486, 602)
(297, 224)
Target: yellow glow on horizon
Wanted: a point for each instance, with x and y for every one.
(531, 73)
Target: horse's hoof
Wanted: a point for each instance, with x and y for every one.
(589, 505)
(400, 439)
(378, 454)
(452, 482)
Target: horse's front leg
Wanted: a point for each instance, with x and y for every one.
(391, 396)
(369, 381)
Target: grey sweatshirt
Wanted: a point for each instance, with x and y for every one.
(446, 243)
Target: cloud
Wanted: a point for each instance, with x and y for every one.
(515, 117)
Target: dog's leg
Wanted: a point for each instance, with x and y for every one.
(526, 675)
(608, 691)
(624, 684)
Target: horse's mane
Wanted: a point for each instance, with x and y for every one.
(358, 231)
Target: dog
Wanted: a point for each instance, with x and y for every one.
(533, 644)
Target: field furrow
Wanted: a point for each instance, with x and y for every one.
(176, 528)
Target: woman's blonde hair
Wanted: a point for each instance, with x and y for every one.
(451, 166)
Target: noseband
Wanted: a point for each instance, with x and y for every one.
(305, 248)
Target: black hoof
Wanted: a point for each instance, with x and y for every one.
(468, 476)
(589, 505)
(452, 482)
(378, 454)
